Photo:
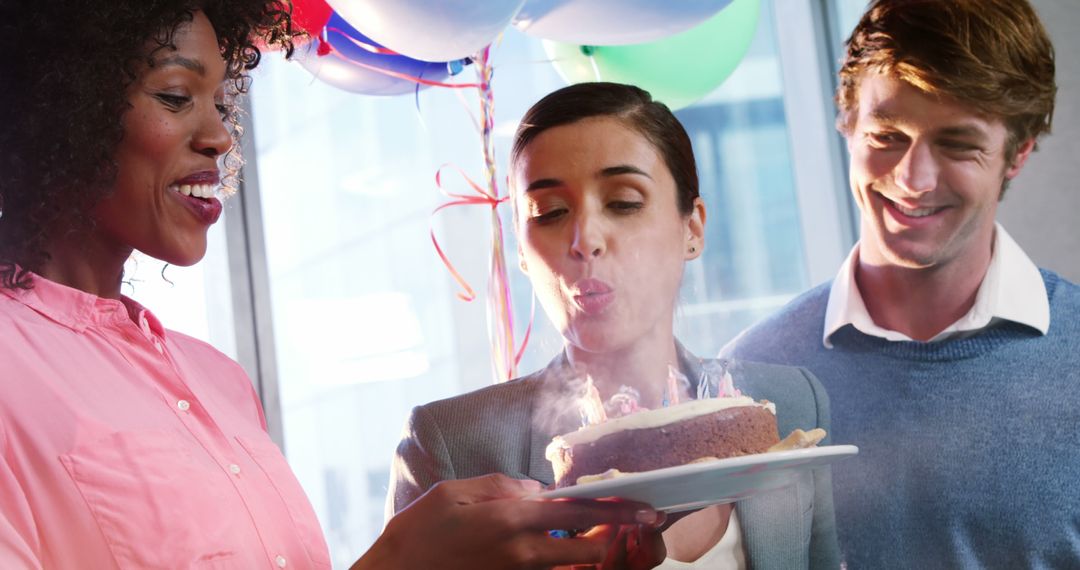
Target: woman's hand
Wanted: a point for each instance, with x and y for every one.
(483, 523)
(636, 548)
(630, 547)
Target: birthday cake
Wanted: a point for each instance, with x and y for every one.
(711, 428)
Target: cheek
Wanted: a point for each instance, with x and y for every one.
(974, 185)
(869, 166)
(149, 142)
(538, 266)
(656, 262)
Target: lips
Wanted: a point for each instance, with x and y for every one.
(912, 214)
(196, 192)
(593, 295)
(207, 210)
(205, 177)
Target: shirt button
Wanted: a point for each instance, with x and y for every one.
(184, 405)
(235, 469)
(281, 562)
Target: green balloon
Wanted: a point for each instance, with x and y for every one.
(677, 70)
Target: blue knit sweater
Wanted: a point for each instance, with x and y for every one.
(969, 449)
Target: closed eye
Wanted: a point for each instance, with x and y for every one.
(959, 146)
(626, 207)
(548, 216)
(886, 139)
(174, 102)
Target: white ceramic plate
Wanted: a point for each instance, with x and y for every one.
(698, 485)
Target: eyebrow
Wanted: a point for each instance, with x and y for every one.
(607, 172)
(959, 131)
(882, 116)
(964, 131)
(623, 169)
(185, 62)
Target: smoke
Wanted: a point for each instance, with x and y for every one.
(559, 407)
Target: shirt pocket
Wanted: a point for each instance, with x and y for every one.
(269, 458)
(158, 503)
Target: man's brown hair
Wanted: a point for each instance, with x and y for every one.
(994, 55)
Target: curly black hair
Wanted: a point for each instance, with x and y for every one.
(64, 78)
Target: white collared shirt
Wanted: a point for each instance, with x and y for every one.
(727, 554)
(1012, 290)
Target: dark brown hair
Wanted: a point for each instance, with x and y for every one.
(65, 79)
(631, 105)
(994, 55)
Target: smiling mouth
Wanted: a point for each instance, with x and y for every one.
(913, 212)
(203, 191)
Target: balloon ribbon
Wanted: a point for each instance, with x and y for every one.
(499, 301)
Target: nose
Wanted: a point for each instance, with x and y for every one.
(589, 240)
(212, 136)
(917, 171)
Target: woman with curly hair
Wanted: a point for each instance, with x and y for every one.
(126, 445)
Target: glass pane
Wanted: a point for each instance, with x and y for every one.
(753, 258)
(847, 15)
(196, 300)
(366, 322)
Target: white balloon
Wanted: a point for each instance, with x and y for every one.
(430, 30)
(612, 22)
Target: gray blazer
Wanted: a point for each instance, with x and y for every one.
(501, 429)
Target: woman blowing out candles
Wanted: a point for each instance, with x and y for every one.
(607, 213)
(124, 444)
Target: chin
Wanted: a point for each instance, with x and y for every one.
(184, 262)
(593, 341)
(182, 258)
(911, 257)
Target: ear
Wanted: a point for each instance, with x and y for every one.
(695, 231)
(1022, 153)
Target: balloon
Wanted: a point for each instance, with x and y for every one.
(430, 30)
(677, 70)
(307, 15)
(348, 66)
(311, 15)
(612, 22)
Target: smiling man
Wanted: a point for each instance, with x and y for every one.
(951, 360)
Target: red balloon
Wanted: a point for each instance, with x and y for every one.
(311, 15)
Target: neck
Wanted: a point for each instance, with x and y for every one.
(87, 264)
(921, 302)
(643, 366)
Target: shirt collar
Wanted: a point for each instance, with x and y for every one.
(1012, 290)
(77, 309)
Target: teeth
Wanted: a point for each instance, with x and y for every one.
(195, 190)
(917, 213)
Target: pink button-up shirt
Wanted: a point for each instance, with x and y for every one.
(123, 445)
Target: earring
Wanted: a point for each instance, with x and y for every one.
(692, 249)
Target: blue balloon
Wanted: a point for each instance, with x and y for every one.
(353, 68)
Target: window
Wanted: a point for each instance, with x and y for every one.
(196, 300)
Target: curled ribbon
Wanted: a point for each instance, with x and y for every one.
(482, 197)
(500, 313)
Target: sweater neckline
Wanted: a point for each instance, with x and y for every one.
(986, 341)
